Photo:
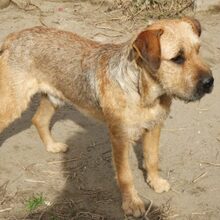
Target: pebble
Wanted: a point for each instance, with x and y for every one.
(4, 3)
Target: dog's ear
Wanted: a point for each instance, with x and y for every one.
(195, 24)
(147, 46)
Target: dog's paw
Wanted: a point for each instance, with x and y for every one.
(133, 205)
(57, 147)
(158, 184)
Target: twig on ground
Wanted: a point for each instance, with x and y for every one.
(144, 198)
(34, 181)
(3, 190)
(173, 190)
(202, 213)
(56, 172)
(100, 5)
(199, 177)
(173, 216)
(89, 214)
(148, 209)
(119, 18)
(31, 9)
(210, 163)
(184, 8)
(62, 161)
(25, 8)
(202, 109)
(42, 214)
(137, 13)
(176, 129)
(109, 29)
(107, 35)
(5, 210)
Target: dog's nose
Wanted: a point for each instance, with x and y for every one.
(207, 83)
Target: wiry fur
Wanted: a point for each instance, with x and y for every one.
(129, 86)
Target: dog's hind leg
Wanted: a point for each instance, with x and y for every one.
(9, 110)
(13, 101)
(42, 120)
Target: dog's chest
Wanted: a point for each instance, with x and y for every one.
(139, 119)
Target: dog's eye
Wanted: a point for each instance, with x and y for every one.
(179, 59)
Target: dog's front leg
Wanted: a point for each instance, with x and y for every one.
(131, 203)
(151, 160)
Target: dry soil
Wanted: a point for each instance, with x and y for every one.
(80, 184)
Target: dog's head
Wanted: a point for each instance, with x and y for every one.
(169, 51)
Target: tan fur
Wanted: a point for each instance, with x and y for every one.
(129, 86)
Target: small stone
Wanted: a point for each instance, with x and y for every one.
(4, 3)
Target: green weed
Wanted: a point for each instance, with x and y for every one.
(34, 202)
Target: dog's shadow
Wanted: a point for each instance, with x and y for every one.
(90, 191)
(22, 123)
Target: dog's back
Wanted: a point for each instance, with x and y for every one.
(55, 62)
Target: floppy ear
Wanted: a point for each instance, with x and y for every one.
(147, 46)
(195, 24)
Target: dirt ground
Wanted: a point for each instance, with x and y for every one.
(80, 184)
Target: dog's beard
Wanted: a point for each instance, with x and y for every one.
(193, 98)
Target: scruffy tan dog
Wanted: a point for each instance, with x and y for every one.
(129, 86)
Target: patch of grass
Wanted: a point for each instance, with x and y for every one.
(34, 202)
(155, 9)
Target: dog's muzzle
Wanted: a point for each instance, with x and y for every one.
(205, 85)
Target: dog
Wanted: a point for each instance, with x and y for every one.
(130, 86)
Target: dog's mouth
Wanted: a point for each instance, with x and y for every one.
(204, 86)
(188, 99)
(196, 96)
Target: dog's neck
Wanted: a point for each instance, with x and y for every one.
(149, 89)
(146, 85)
(134, 79)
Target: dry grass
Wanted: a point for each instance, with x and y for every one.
(68, 210)
(131, 8)
(153, 8)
